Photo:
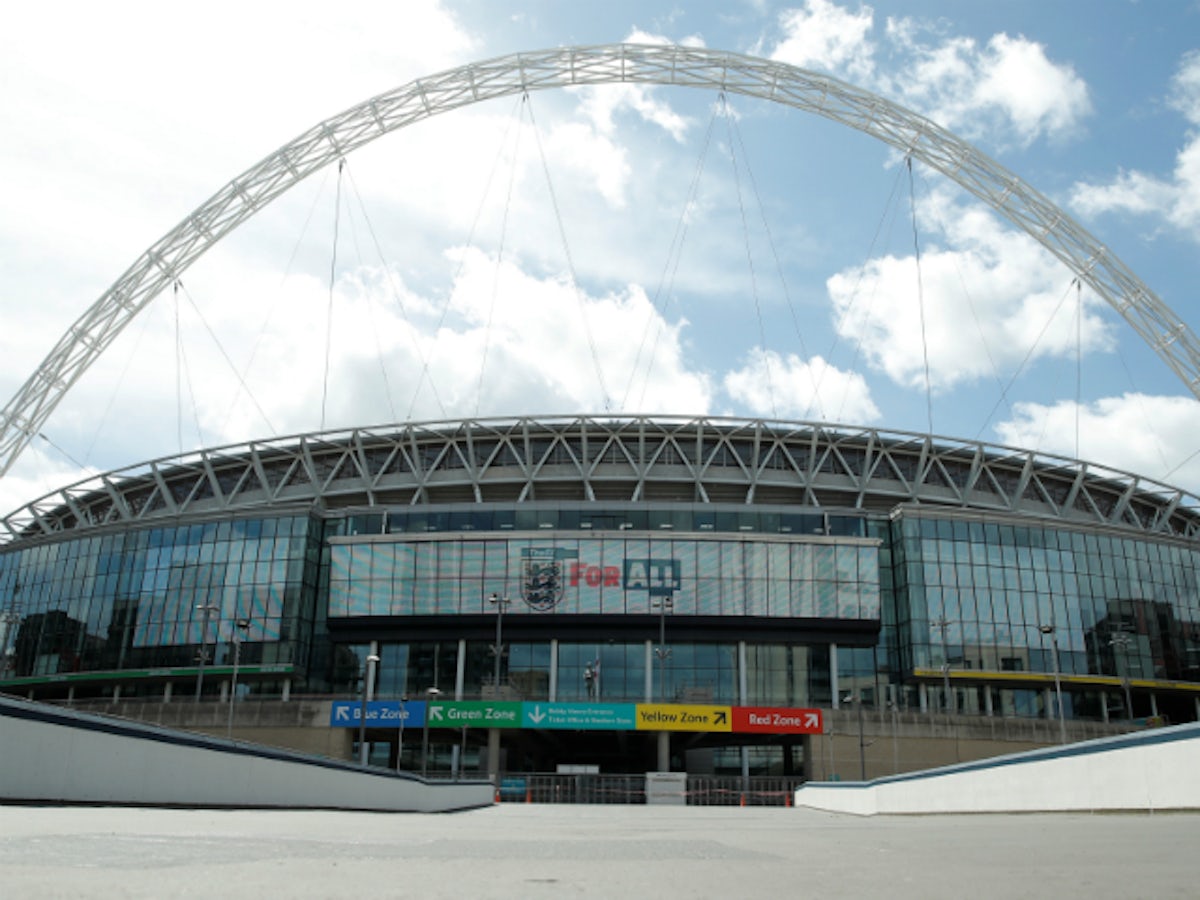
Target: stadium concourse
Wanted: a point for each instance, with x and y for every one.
(657, 589)
(519, 851)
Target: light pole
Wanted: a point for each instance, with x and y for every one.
(856, 699)
(942, 624)
(368, 670)
(240, 626)
(431, 693)
(663, 653)
(1122, 640)
(498, 647)
(400, 740)
(1062, 725)
(208, 609)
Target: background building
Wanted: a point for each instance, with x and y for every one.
(781, 565)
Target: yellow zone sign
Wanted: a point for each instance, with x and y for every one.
(683, 717)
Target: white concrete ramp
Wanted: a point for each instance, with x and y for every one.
(1146, 771)
(54, 755)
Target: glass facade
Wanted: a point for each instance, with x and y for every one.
(991, 596)
(973, 612)
(617, 575)
(153, 598)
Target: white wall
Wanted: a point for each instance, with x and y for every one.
(1152, 770)
(54, 755)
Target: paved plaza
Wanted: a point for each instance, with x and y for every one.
(520, 851)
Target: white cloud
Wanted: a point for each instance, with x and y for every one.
(1154, 436)
(1176, 199)
(39, 471)
(823, 35)
(1007, 85)
(769, 384)
(988, 299)
(601, 104)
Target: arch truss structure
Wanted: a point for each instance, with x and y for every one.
(913, 135)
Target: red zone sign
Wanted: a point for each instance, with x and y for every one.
(770, 720)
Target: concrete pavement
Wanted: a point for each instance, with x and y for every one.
(530, 851)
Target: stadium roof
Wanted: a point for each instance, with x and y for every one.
(609, 458)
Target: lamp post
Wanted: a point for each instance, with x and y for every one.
(1062, 725)
(856, 699)
(663, 653)
(400, 740)
(368, 671)
(942, 624)
(207, 609)
(498, 647)
(432, 695)
(240, 627)
(1122, 640)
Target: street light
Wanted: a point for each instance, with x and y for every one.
(208, 609)
(498, 647)
(1122, 640)
(432, 695)
(862, 743)
(663, 652)
(400, 740)
(367, 673)
(1062, 725)
(240, 626)
(942, 624)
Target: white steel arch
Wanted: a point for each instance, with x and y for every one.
(164, 262)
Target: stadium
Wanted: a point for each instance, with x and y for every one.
(622, 593)
(784, 565)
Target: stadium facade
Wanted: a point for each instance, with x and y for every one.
(615, 560)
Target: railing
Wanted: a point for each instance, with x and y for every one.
(702, 790)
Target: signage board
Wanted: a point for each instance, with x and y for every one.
(545, 715)
(682, 717)
(773, 720)
(580, 716)
(474, 714)
(658, 577)
(380, 713)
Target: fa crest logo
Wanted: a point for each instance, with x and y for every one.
(542, 584)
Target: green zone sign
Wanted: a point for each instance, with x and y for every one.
(474, 714)
(547, 715)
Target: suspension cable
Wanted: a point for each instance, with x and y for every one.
(183, 375)
(112, 397)
(270, 315)
(337, 211)
(966, 292)
(487, 333)
(225, 355)
(912, 201)
(762, 210)
(1078, 358)
(762, 332)
(462, 261)
(178, 369)
(664, 291)
(887, 215)
(376, 332)
(1028, 356)
(562, 233)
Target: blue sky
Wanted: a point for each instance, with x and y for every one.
(518, 251)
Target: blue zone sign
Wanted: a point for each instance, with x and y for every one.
(380, 713)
